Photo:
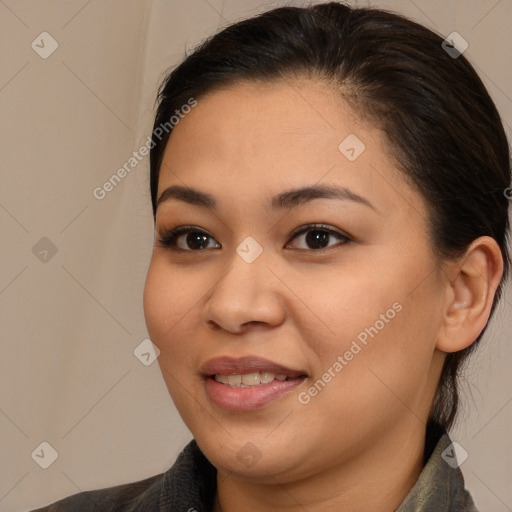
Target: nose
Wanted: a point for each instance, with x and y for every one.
(248, 293)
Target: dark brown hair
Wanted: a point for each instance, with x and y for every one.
(445, 131)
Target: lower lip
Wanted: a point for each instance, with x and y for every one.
(231, 398)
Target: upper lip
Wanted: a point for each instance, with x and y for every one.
(226, 365)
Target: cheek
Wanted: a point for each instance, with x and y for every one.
(168, 298)
(345, 303)
(168, 308)
(156, 303)
(386, 348)
(383, 323)
(168, 305)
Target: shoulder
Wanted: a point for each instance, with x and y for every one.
(189, 484)
(121, 498)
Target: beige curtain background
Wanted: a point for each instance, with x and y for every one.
(77, 88)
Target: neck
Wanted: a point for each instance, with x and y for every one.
(378, 479)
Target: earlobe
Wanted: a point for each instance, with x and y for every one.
(471, 290)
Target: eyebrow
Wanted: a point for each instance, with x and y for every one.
(287, 199)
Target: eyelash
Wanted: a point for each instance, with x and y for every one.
(168, 238)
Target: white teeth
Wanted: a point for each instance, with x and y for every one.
(248, 379)
(267, 377)
(234, 380)
(251, 379)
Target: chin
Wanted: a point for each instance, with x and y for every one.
(253, 457)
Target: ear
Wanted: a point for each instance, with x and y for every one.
(472, 283)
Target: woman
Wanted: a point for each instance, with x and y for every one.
(330, 243)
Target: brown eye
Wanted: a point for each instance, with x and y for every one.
(186, 238)
(318, 237)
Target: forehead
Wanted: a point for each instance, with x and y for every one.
(254, 138)
(245, 117)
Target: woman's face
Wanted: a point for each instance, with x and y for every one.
(347, 310)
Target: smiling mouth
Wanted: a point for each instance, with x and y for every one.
(248, 383)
